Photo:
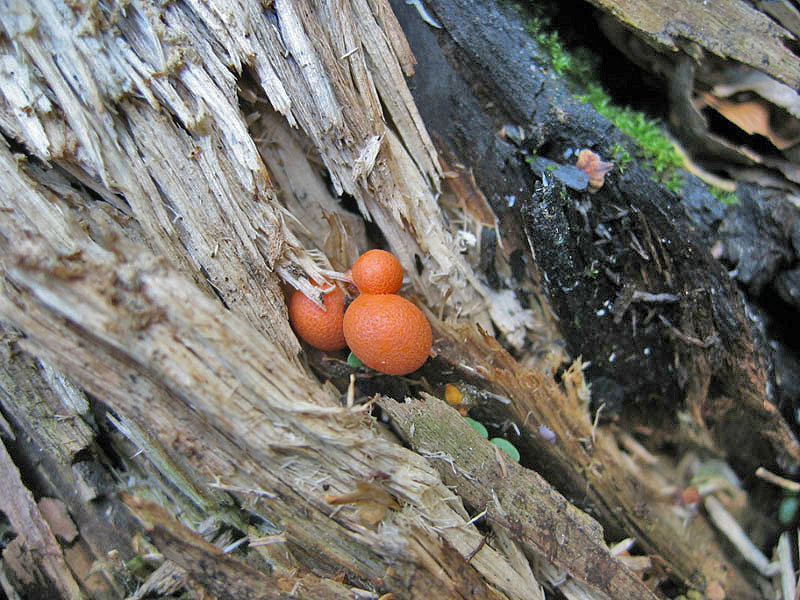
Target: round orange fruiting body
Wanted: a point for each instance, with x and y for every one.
(377, 272)
(452, 395)
(321, 329)
(387, 333)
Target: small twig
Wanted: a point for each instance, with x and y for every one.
(622, 546)
(498, 397)
(597, 420)
(234, 545)
(218, 485)
(349, 53)
(706, 343)
(423, 13)
(311, 409)
(637, 246)
(477, 517)
(351, 391)
(788, 580)
(267, 540)
(639, 296)
(472, 554)
(737, 536)
(787, 484)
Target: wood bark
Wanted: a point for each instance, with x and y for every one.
(700, 337)
(728, 29)
(170, 170)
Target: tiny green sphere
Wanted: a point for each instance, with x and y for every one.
(354, 361)
(509, 448)
(787, 511)
(478, 427)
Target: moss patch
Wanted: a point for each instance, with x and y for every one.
(578, 67)
(727, 198)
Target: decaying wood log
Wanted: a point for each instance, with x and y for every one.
(169, 170)
(218, 572)
(598, 251)
(728, 29)
(63, 459)
(560, 437)
(215, 407)
(520, 504)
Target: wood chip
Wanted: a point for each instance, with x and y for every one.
(55, 512)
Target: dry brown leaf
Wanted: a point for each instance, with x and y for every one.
(461, 182)
(591, 164)
(743, 79)
(372, 499)
(752, 116)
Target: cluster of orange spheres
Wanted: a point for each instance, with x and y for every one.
(385, 331)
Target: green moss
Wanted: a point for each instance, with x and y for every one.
(139, 568)
(578, 67)
(575, 64)
(621, 156)
(727, 198)
(654, 147)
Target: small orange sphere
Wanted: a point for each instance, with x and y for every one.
(377, 272)
(388, 333)
(320, 328)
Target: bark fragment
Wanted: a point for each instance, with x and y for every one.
(730, 29)
(35, 556)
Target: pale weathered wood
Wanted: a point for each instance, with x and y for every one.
(233, 413)
(727, 28)
(145, 252)
(518, 502)
(295, 168)
(326, 70)
(222, 574)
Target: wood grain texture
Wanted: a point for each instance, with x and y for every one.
(518, 502)
(728, 28)
(231, 412)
